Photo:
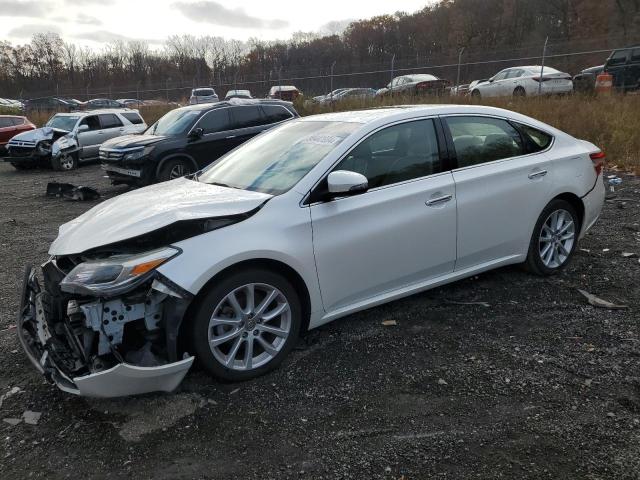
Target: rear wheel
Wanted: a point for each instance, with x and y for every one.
(554, 238)
(65, 162)
(175, 168)
(246, 324)
(475, 94)
(519, 92)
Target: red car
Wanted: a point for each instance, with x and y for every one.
(10, 126)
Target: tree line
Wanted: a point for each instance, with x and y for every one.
(428, 40)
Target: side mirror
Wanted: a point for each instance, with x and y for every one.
(196, 133)
(343, 182)
(83, 128)
(491, 80)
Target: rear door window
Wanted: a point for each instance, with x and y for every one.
(480, 140)
(110, 120)
(215, 121)
(275, 113)
(246, 116)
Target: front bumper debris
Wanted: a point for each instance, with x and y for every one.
(82, 350)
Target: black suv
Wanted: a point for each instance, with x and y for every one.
(624, 66)
(189, 138)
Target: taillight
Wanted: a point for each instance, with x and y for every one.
(598, 159)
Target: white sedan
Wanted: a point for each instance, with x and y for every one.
(306, 223)
(524, 81)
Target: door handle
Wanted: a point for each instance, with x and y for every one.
(539, 173)
(438, 200)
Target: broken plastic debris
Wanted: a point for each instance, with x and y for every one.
(389, 323)
(31, 418)
(628, 254)
(12, 421)
(10, 393)
(442, 381)
(71, 192)
(600, 303)
(455, 302)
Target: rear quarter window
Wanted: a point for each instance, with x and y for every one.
(275, 113)
(133, 118)
(537, 139)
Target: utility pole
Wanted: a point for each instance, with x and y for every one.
(331, 83)
(459, 65)
(544, 55)
(393, 64)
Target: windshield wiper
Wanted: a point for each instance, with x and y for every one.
(218, 184)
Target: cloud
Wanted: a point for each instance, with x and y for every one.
(85, 19)
(208, 11)
(105, 36)
(27, 31)
(24, 8)
(90, 2)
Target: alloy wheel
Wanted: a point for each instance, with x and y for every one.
(249, 326)
(66, 162)
(178, 170)
(557, 237)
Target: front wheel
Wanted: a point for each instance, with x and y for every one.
(475, 94)
(519, 92)
(175, 168)
(246, 324)
(64, 162)
(554, 238)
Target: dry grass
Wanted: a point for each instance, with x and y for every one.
(612, 122)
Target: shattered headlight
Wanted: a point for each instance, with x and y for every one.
(135, 155)
(115, 275)
(44, 147)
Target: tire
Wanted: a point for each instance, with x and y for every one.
(549, 262)
(476, 94)
(520, 92)
(175, 168)
(65, 162)
(238, 332)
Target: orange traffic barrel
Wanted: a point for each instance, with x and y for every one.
(604, 84)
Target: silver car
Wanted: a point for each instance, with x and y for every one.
(203, 95)
(69, 138)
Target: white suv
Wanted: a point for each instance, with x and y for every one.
(313, 220)
(203, 95)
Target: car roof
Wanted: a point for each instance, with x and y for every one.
(402, 112)
(11, 116)
(235, 102)
(96, 112)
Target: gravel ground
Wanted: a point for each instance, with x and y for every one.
(537, 384)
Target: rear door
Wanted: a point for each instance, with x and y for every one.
(246, 122)
(112, 126)
(217, 139)
(501, 188)
(7, 129)
(616, 66)
(398, 234)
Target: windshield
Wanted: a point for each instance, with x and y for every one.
(63, 122)
(278, 159)
(175, 122)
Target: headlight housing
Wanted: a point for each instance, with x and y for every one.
(137, 154)
(115, 275)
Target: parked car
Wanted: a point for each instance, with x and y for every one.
(334, 93)
(11, 104)
(100, 103)
(415, 84)
(316, 219)
(130, 102)
(624, 66)
(10, 126)
(246, 94)
(203, 95)
(284, 92)
(585, 81)
(349, 94)
(525, 81)
(51, 104)
(70, 138)
(464, 90)
(188, 139)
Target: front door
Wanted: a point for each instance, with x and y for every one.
(90, 140)
(217, 137)
(399, 233)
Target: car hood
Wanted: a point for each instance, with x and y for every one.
(132, 141)
(39, 134)
(148, 209)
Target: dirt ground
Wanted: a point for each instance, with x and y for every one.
(536, 384)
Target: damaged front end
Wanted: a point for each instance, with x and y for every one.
(39, 147)
(105, 325)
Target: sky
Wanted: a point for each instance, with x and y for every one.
(96, 22)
